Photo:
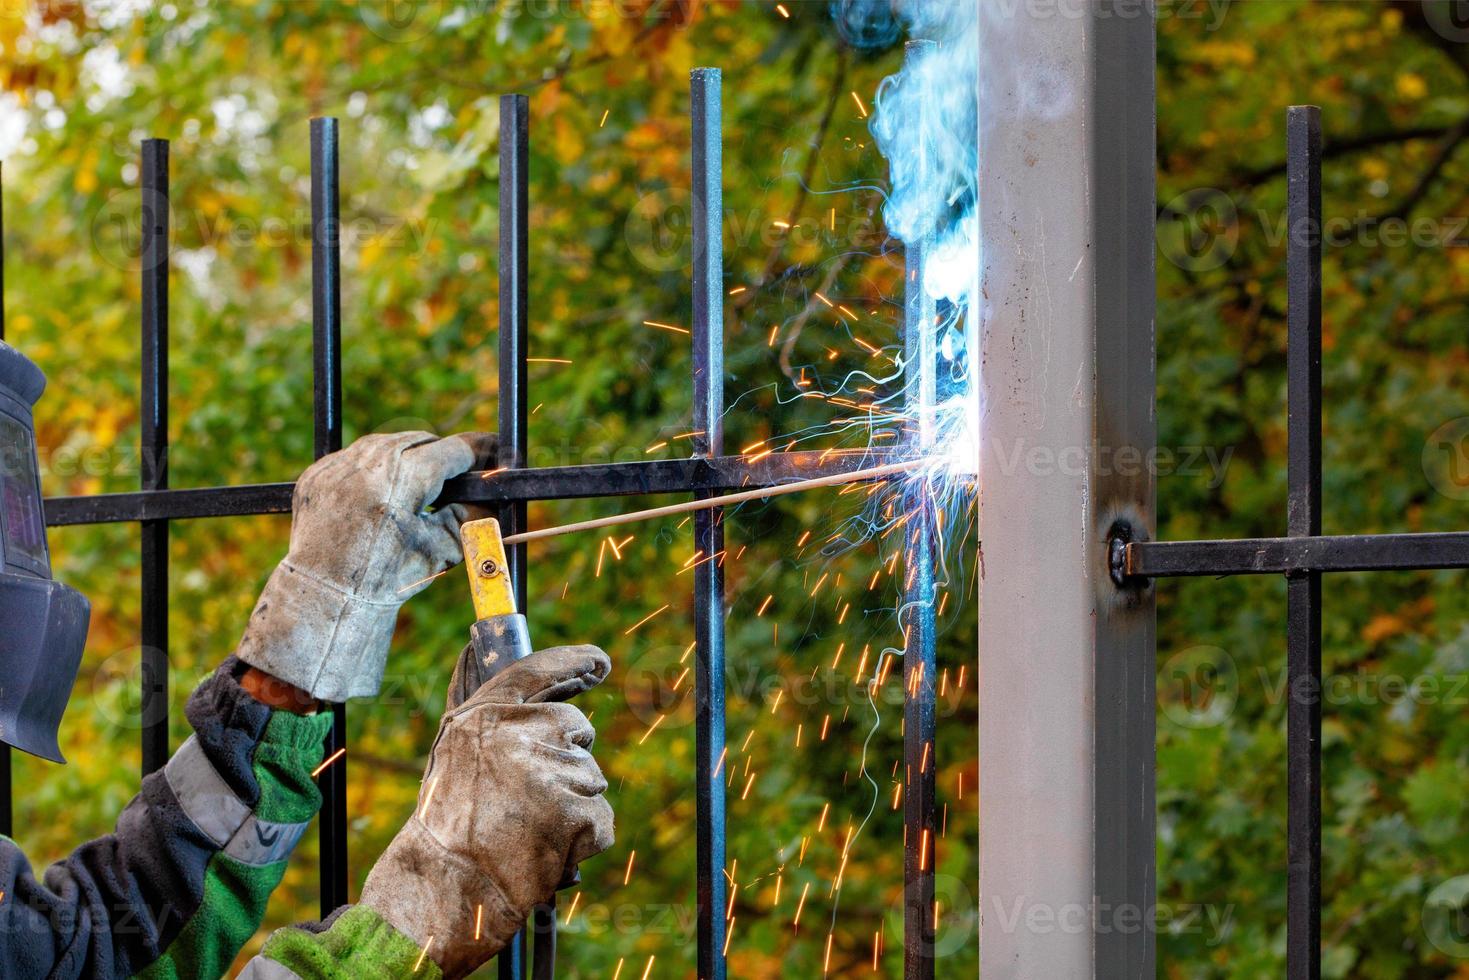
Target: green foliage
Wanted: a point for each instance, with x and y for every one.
(233, 86)
(1394, 749)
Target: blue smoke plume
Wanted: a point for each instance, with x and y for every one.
(925, 121)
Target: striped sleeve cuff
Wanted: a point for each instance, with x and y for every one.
(222, 816)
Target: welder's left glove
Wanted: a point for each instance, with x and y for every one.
(510, 804)
(362, 543)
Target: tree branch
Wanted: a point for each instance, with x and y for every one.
(1451, 143)
(1346, 147)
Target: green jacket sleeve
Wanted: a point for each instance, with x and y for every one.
(182, 882)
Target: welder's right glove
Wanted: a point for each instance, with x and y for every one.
(510, 804)
(362, 543)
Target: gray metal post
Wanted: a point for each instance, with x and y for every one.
(1066, 656)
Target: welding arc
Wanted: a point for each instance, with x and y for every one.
(688, 506)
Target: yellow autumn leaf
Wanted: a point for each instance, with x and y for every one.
(1382, 627)
(1374, 168)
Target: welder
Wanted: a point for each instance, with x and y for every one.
(510, 804)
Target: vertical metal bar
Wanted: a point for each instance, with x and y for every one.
(920, 824)
(514, 416)
(1303, 519)
(326, 346)
(154, 451)
(1067, 704)
(708, 340)
(7, 810)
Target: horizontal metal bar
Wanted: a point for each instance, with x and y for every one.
(717, 474)
(1328, 553)
(160, 505)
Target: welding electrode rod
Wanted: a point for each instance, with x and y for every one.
(688, 506)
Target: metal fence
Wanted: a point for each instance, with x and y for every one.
(708, 472)
(1304, 554)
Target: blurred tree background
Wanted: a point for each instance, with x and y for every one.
(812, 762)
(233, 85)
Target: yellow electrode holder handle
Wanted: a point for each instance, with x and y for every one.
(489, 571)
(499, 636)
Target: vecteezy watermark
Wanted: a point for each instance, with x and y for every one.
(1201, 687)
(126, 693)
(1445, 458)
(658, 230)
(675, 924)
(957, 915)
(1017, 914)
(1036, 459)
(1200, 230)
(1209, 13)
(1198, 687)
(405, 21)
(1446, 917)
(658, 689)
(1448, 18)
(118, 228)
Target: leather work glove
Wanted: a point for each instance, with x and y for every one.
(362, 544)
(510, 804)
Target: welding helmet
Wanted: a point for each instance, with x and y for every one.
(43, 624)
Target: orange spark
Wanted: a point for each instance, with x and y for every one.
(640, 622)
(796, 922)
(318, 770)
(423, 581)
(652, 729)
(423, 811)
